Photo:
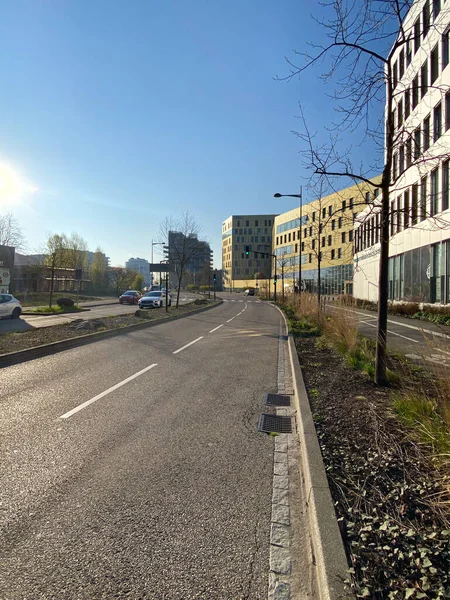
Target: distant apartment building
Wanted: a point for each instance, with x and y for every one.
(192, 256)
(141, 266)
(91, 255)
(324, 240)
(419, 236)
(238, 231)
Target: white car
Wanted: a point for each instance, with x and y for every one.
(10, 306)
(154, 300)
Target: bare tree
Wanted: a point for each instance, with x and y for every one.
(362, 38)
(121, 279)
(56, 257)
(11, 233)
(181, 237)
(98, 274)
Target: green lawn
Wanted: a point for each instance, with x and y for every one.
(42, 299)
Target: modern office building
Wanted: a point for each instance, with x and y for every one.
(324, 242)
(419, 246)
(238, 270)
(141, 266)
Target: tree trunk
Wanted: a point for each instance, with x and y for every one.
(179, 287)
(51, 285)
(383, 292)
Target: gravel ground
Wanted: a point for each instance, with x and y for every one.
(21, 340)
(383, 482)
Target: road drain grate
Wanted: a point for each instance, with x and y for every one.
(274, 424)
(277, 400)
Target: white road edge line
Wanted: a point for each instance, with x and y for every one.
(216, 328)
(393, 333)
(230, 319)
(108, 391)
(187, 345)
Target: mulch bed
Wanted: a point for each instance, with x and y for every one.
(389, 496)
(30, 338)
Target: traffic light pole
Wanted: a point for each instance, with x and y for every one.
(264, 254)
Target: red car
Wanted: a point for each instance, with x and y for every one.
(130, 297)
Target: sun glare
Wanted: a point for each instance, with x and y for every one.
(13, 189)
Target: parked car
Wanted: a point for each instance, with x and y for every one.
(249, 292)
(10, 306)
(130, 297)
(155, 300)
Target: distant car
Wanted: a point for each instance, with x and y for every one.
(130, 297)
(249, 292)
(10, 306)
(155, 300)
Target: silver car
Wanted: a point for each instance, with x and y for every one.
(10, 306)
(154, 300)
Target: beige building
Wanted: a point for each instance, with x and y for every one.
(240, 271)
(324, 241)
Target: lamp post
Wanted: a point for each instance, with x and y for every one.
(299, 196)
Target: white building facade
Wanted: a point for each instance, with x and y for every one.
(141, 266)
(419, 247)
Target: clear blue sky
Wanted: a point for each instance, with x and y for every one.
(123, 113)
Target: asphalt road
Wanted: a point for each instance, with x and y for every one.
(132, 468)
(420, 340)
(105, 310)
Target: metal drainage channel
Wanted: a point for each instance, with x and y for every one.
(274, 424)
(277, 400)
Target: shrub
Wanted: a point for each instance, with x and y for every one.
(65, 302)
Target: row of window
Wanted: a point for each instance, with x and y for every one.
(267, 223)
(249, 231)
(421, 139)
(422, 200)
(420, 30)
(308, 231)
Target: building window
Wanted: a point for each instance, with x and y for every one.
(408, 51)
(415, 92)
(447, 111)
(351, 203)
(417, 35)
(296, 248)
(399, 212)
(330, 240)
(330, 211)
(350, 235)
(277, 241)
(401, 64)
(333, 224)
(434, 209)
(415, 203)
(323, 241)
(395, 73)
(436, 8)
(392, 223)
(305, 233)
(324, 212)
(310, 231)
(320, 228)
(332, 254)
(339, 252)
(310, 258)
(303, 246)
(256, 223)
(434, 64)
(437, 122)
(407, 103)
(406, 209)
(401, 160)
(340, 222)
(400, 113)
(247, 223)
(445, 50)
(426, 18)
(424, 79)
(343, 237)
(417, 133)
(426, 134)
(314, 216)
(408, 153)
(423, 199)
(344, 205)
(270, 222)
(367, 198)
(445, 185)
(394, 166)
(320, 256)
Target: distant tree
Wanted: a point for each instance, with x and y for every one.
(120, 279)
(138, 283)
(185, 247)
(98, 274)
(11, 233)
(56, 257)
(76, 252)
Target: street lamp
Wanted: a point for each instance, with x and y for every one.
(299, 196)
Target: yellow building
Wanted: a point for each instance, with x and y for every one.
(325, 240)
(240, 271)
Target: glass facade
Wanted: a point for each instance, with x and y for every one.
(333, 280)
